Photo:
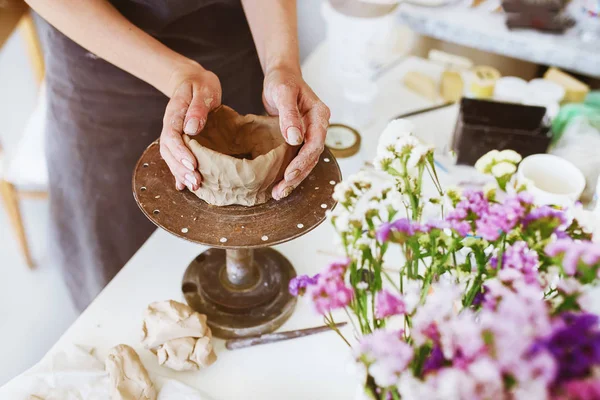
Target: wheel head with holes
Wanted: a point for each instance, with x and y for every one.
(240, 284)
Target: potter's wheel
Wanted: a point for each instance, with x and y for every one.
(240, 283)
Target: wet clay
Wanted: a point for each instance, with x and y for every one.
(240, 157)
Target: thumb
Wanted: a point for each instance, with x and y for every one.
(290, 121)
(203, 101)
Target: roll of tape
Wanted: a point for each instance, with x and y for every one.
(484, 81)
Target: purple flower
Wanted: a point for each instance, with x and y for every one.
(491, 219)
(435, 224)
(435, 361)
(545, 215)
(500, 218)
(298, 285)
(573, 253)
(520, 257)
(575, 345)
(385, 354)
(387, 304)
(463, 228)
(472, 207)
(399, 230)
(480, 297)
(383, 233)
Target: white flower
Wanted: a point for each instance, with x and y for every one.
(362, 285)
(418, 155)
(384, 160)
(342, 222)
(394, 199)
(392, 132)
(510, 156)
(412, 294)
(404, 143)
(503, 168)
(361, 178)
(569, 286)
(342, 192)
(411, 388)
(489, 190)
(486, 161)
(363, 242)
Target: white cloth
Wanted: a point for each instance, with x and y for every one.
(76, 374)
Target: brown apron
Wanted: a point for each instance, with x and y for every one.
(100, 119)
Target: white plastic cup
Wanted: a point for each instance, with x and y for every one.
(552, 180)
(357, 44)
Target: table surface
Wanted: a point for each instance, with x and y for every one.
(316, 367)
(483, 30)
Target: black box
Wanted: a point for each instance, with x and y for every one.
(484, 125)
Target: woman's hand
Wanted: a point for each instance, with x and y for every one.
(196, 92)
(303, 118)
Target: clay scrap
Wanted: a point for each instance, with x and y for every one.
(240, 157)
(129, 379)
(178, 336)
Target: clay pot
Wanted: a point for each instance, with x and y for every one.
(240, 157)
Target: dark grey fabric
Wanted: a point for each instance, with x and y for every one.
(100, 119)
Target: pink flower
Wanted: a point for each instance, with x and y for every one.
(330, 291)
(585, 389)
(573, 253)
(387, 304)
(385, 354)
(520, 257)
(399, 230)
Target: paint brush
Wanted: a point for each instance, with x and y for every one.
(233, 344)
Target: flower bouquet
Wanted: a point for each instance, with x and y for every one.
(488, 300)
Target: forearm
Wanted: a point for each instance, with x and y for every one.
(274, 25)
(98, 27)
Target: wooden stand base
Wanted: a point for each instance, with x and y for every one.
(243, 292)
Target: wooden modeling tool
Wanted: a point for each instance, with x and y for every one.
(234, 344)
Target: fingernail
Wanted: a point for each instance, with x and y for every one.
(187, 164)
(286, 192)
(191, 127)
(294, 136)
(179, 186)
(292, 175)
(189, 185)
(191, 178)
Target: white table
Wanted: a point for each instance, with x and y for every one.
(311, 368)
(483, 30)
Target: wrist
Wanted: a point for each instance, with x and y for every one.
(287, 64)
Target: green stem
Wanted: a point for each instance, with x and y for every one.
(329, 321)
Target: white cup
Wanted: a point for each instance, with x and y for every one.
(551, 180)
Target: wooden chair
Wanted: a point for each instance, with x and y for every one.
(15, 15)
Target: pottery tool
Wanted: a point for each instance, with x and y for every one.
(484, 81)
(234, 344)
(423, 110)
(239, 283)
(342, 140)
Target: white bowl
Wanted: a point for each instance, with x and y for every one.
(552, 180)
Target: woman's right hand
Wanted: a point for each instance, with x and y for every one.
(195, 93)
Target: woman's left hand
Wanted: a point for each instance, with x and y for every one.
(303, 118)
